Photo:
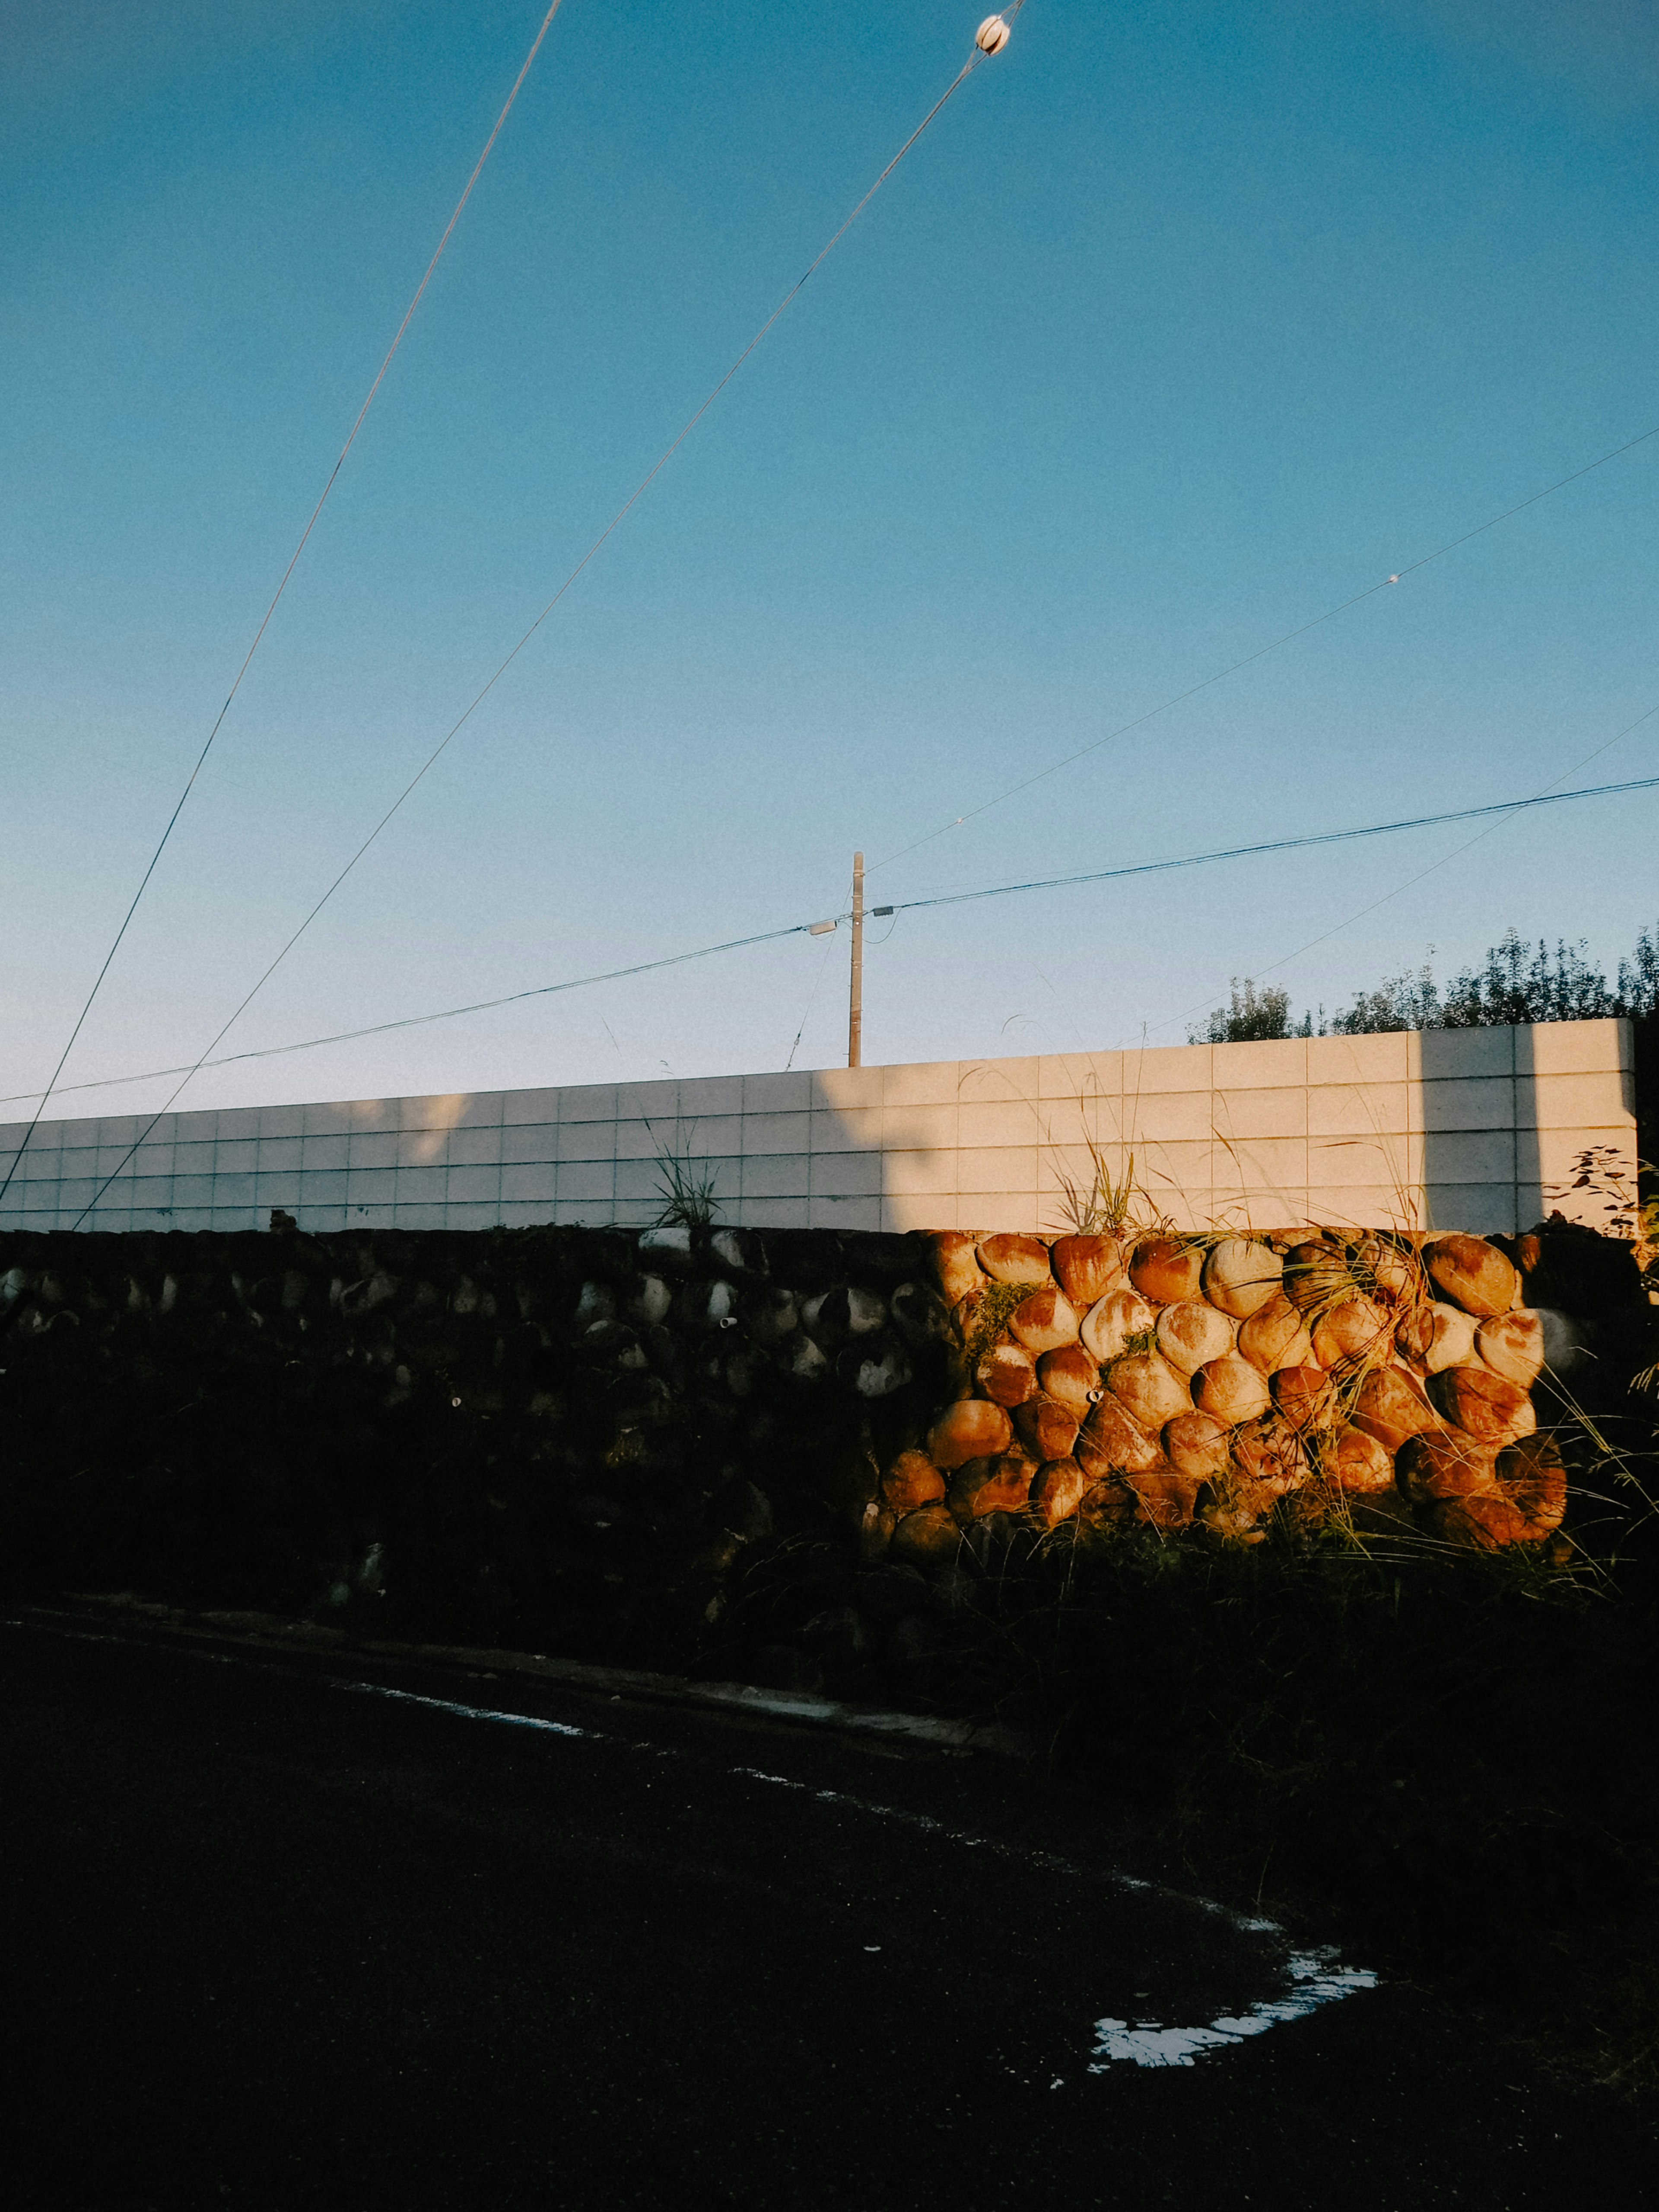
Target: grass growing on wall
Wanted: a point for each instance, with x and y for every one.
(1102, 1202)
(996, 1305)
(686, 1187)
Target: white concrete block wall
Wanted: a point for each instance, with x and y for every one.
(1472, 1129)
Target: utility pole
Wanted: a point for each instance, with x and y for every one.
(856, 1015)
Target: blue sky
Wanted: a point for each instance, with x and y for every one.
(1183, 323)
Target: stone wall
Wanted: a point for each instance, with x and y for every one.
(728, 1448)
(1304, 1380)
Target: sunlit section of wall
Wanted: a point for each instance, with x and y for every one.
(1475, 1129)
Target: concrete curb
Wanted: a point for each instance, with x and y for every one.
(272, 1631)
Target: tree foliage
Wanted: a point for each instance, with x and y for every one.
(1513, 983)
(1254, 1013)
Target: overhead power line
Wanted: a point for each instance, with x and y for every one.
(417, 1021)
(977, 56)
(1273, 845)
(275, 596)
(1165, 707)
(1547, 796)
(905, 906)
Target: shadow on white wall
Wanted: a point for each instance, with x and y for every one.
(1477, 1129)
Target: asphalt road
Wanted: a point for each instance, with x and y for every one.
(272, 1940)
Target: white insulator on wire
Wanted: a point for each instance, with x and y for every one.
(993, 35)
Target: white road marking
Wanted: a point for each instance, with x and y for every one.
(1316, 1979)
(468, 1712)
(1315, 1976)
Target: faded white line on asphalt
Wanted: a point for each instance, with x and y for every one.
(1049, 1861)
(1316, 1979)
(923, 1822)
(469, 1712)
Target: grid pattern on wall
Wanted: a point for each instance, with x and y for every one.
(1476, 1130)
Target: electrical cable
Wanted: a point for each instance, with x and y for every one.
(416, 1021)
(1220, 676)
(275, 597)
(1277, 845)
(812, 1001)
(1411, 882)
(802, 928)
(975, 58)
